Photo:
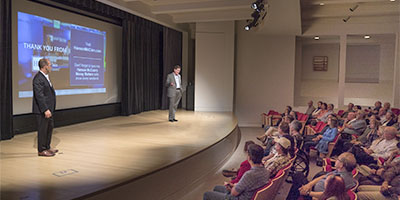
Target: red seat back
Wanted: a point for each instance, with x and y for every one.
(396, 111)
(340, 112)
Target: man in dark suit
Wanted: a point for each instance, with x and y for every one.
(43, 106)
(174, 91)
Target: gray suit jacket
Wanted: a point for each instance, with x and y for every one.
(171, 91)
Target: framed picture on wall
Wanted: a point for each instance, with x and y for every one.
(320, 63)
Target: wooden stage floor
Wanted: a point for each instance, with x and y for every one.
(100, 154)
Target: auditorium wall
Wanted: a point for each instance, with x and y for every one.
(264, 75)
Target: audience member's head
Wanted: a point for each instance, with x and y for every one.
(247, 144)
(288, 119)
(346, 162)
(282, 145)
(378, 104)
(310, 103)
(350, 106)
(319, 104)
(324, 106)
(331, 106)
(390, 133)
(332, 122)
(292, 143)
(373, 123)
(255, 153)
(390, 115)
(356, 108)
(288, 109)
(382, 112)
(283, 128)
(386, 105)
(335, 188)
(360, 114)
(295, 126)
(351, 116)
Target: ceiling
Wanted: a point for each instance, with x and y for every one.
(334, 11)
(284, 16)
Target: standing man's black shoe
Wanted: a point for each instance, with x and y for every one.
(171, 120)
(175, 120)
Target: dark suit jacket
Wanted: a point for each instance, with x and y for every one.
(44, 96)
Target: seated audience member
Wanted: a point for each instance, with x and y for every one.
(390, 119)
(368, 136)
(328, 112)
(374, 176)
(355, 127)
(321, 141)
(378, 106)
(382, 114)
(357, 108)
(315, 188)
(294, 129)
(253, 179)
(310, 108)
(386, 106)
(389, 189)
(272, 131)
(293, 114)
(321, 113)
(317, 110)
(382, 148)
(350, 107)
(334, 189)
(244, 167)
(283, 129)
(281, 158)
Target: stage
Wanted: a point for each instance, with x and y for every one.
(142, 156)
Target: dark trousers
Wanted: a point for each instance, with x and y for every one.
(45, 130)
(308, 142)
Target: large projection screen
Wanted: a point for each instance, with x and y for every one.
(85, 54)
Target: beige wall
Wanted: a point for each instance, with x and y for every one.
(264, 77)
(214, 73)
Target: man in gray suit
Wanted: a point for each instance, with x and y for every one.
(174, 91)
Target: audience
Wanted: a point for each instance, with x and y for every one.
(253, 179)
(389, 120)
(314, 189)
(310, 108)
(281, 158)
(350, 107)
(294, 129)
(321, 141)
(382, 148)
(334, 189)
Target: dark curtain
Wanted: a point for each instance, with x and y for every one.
(172, 55)
(6, 128)
(142, 66)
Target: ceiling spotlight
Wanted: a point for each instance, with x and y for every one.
(316, 38)
(392, 0)
(367, 37)
(321, 4)
(247, 28)
(256, 4)
(346, 19)
(352, 9)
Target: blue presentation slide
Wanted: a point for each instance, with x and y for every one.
(77, 54)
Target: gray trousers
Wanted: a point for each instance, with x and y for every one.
(173, 104)
(219, 193)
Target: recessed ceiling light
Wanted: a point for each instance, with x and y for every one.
(322, 4)
(367, 37)
(392, 0)
(316, 38)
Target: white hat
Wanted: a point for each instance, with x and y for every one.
(284, 142)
